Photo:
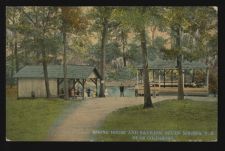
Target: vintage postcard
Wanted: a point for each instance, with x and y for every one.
(112, 73)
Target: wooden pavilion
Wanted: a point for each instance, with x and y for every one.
(30, 80)
(163, 76)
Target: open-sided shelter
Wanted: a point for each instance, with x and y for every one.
(30, 79)
(163, 76)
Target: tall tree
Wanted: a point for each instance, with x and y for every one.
(12, 23)
(187, 23)
(64, 60)
(102, 65)
(147, 94)
(137, 18)
(102, 16)
(121, 36)
(41, 22)
(72, 20)
(156, 22)
(176, 19)
(124, 43)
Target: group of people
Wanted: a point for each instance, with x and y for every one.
(77, 92)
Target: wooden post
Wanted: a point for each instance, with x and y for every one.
(159, 79)
(137, 77)
(58, 87)
(83, 89)
(193, 75)
(149, 75)
(183, 77)
(153, 74)
(96, 87)
(164, 77)
(172, 77)
(154, 91)
(95, 81)
(17, 88)
(74, 83)
(207, 79)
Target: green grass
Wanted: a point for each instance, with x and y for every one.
(32, 119)
(169, 120)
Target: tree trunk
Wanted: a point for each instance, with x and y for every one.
(180, 79)
(124, 43)
(25, 57)
(180, 68)
(153, 35)
(44, 62)
(147, 94)
(124, 61)
(15, 51)
(124, 56)
(102, 63)
(36, 38)
(12, 66)
(66, 96)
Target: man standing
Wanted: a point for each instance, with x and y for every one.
(88, 92)
(121, 90)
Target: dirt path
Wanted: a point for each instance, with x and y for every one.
(78, 125)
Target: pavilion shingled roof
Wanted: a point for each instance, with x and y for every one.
(172, 64)
(56, 71)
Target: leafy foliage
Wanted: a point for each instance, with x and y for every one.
(40, 28)
(196, 30)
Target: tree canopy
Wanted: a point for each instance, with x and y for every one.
(103, 36)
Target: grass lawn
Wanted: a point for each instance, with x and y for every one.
(169, 120)
(32, 119)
